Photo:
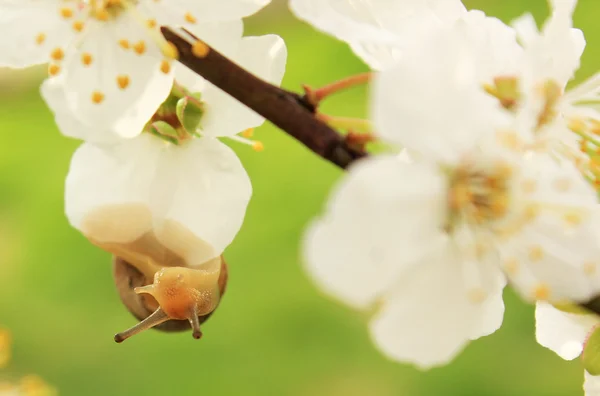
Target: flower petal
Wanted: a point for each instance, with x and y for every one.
(591, 385)
(554, 254)
(116, 85)
(36, 29)
(376, 30)
(190, 12)
(562, 332)
(450, 122)
(428, 318)
(53, 92)
(359, 247)
(203, 187)
(107, 190)
(263, 56)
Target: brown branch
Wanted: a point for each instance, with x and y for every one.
(287, 110)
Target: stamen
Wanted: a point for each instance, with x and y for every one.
(256, 145)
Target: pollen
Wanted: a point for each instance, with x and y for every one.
(151, 23)
(53, 69)
(97, 97)
(57, 54)
(536, 253)
(123, 81)
(140, 47)
(78, 26)
(511, 266)
(124, 43)
(258, 146)
(589, 269)
(86, 59)
(170, 51)
(200, 49)
(248, 133)
(40, 38)
(66, 12)
(573, 218)
(189, 18)
(165, 67)
(541, 292)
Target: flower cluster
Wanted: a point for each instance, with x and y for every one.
(497, 182)
(152, 183)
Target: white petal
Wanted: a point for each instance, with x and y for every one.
(118, 87)
(428, 318)
(454, 118)
(562, 332)
(376, 30)
(591, 385)
(557, 250)
(36, 28)
(178, 12)
(203, 187)
(263, 56)
(53, 92)
(107, 190)
(373, 229)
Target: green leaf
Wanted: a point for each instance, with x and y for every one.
(188, 114)
(591, 352)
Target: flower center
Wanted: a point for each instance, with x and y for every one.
(478, 196)
(105, 10)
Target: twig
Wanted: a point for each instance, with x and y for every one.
(287, 110)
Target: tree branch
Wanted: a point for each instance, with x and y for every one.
(292, 113)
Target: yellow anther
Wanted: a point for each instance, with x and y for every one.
(86, 59)
(200, 49)
(78, 26)
(40, 38)
(165, 67)
(102, 15)
(536, 253)
(97, 97)
(151, 23)
(66, 12)
(57, 54)
(541, 292)
(170, 51)
(189, 18)
(590, 268)
(32, 385)
(140, 47)
(248, 133)
(511, 266)
(577, 125)
(258, 146)
(573, 218)
(124, 43)
(53, 69)
(123, 81)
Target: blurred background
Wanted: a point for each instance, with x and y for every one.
(274, 333)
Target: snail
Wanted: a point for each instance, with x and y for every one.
(164, 273)
(178, 298)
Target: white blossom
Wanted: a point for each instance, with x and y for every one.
(110, 55)
(566, 333)
(379, 30)
(429, 243)
(265, 56)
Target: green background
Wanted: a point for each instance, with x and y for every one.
(274, 332)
